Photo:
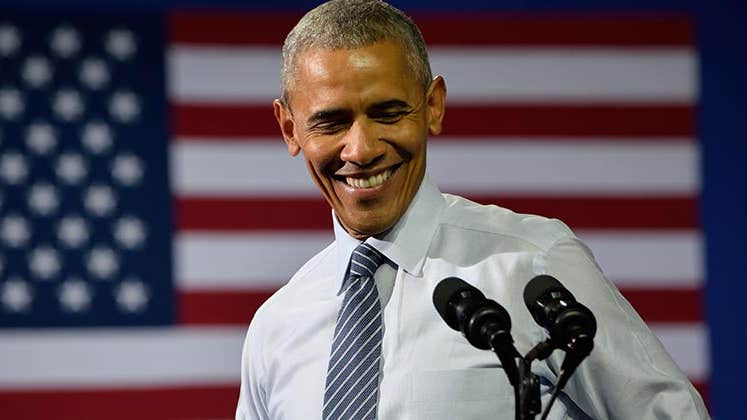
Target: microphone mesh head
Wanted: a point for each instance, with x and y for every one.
(447, 289)
(539, 286)
(534, 290)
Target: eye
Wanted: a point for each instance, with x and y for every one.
(329, 127)
(388, 117)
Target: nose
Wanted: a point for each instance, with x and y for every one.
(363, 147)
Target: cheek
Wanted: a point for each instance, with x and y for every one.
(320, 154)
(410, 141)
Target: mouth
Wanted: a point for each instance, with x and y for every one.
(370, 182)
(365, 181)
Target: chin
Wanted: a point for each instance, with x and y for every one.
(366, 231)
(372, 228)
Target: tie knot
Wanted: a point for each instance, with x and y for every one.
(365, 260)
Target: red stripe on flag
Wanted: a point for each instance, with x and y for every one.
(187, 402)
(483, 121)
(666, 305)
(236, 214)
(557, 30)
(220, 307)
(606, 212)
(628, 120)
(455, 29)
(238, 306)
(225, 121)
(230, 28)
(703, 389)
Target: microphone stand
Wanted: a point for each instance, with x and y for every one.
(575, 353)
(518, 370)
(528, 403)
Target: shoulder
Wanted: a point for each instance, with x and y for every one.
(473, 220)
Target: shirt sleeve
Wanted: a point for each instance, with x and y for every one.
(252, 404)
(629, 374)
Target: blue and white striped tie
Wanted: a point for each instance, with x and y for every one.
(353, 371)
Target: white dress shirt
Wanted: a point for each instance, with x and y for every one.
(428, 370)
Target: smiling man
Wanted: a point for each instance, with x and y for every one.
(361, 123)
(354, 335)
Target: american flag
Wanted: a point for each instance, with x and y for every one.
(148, 205)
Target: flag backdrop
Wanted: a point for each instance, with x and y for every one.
(148, 205)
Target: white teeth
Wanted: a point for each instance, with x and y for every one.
(371, 182)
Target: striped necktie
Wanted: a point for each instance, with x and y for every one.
(353, 371)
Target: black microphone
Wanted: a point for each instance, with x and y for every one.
(571, 325)
(484, 322)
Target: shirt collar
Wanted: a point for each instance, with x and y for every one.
(407, 243)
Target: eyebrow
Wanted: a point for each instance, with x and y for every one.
(388, 105)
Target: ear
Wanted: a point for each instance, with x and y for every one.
(285, 120)
(436, 104)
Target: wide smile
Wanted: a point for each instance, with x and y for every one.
(369, 182)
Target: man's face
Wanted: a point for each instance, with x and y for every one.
(361, 119)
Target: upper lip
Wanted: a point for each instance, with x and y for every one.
(366, 174)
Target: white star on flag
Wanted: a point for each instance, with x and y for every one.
(120, 43)
(127, 169)
(65, 41)
(97, 137)
(100, 200)
(36, 71)
(73, 231)
(10, 40)
(41, 138)
(15, 231)
(16, 295)
(129, 232)
(94, 73)
(68, 104)
(11, 103)
(124, 106)
(132, 295)
(74, 295)
(43, 199)
(13, 168)
(44, 262)
(71, 168)
(102, 262)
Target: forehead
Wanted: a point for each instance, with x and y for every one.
(377, 69)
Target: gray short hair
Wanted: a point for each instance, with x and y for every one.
(348, 24)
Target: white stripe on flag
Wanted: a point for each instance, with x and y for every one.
(688, 346)
(213, 261)
(110, 357)
(216, 74)
(562, 75)
(551, 167)
(168, 356)
(217, 261)
(650, 258)
(238, 168)
(557, 167)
